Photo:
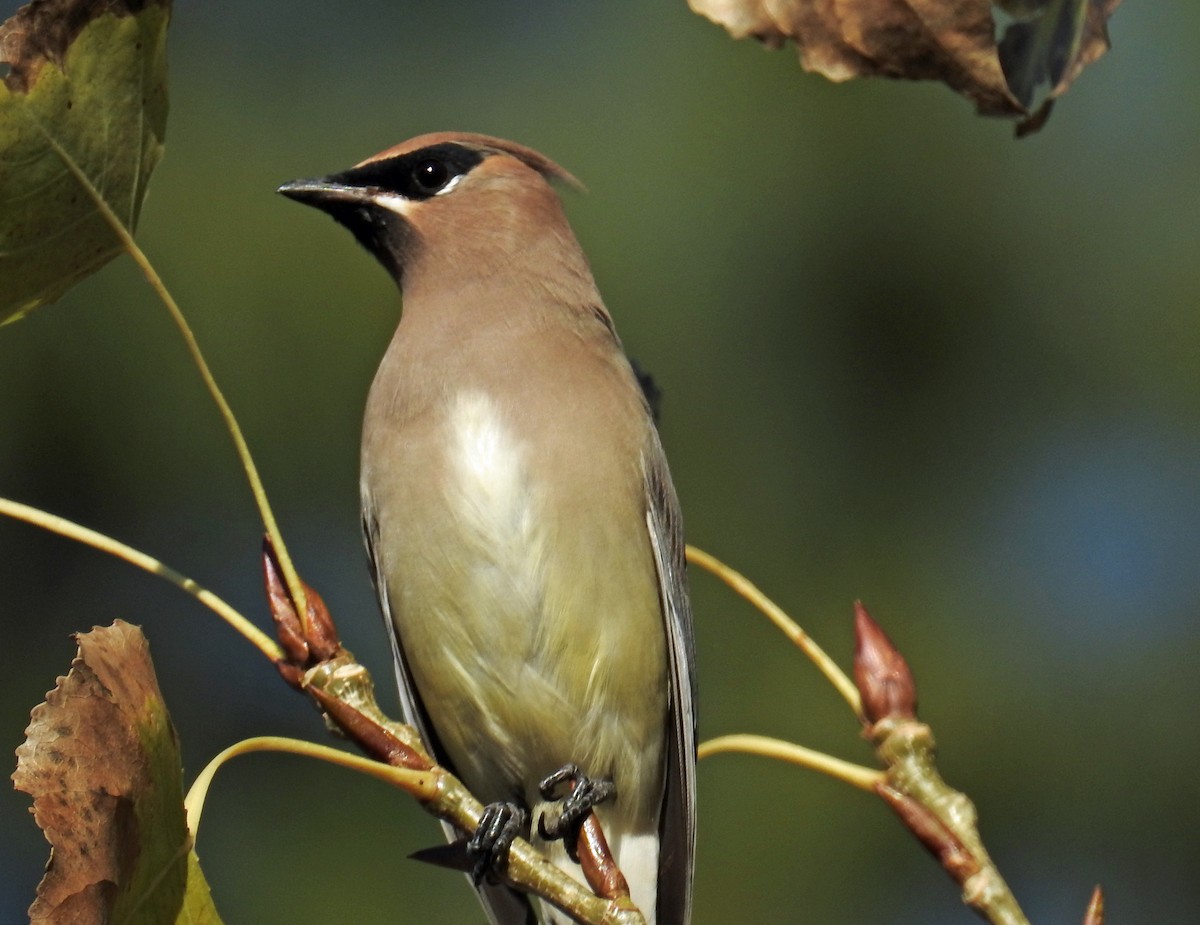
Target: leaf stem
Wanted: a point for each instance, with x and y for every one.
(790, 628)
(74, 531)
(295, 586)
(854, 774)
(421, 784)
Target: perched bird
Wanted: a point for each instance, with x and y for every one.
(522, 525)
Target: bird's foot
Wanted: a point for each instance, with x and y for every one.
(488, 846)
(585, 793)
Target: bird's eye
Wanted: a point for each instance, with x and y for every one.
(431, 175)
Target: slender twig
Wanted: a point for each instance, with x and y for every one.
(854, 774)
(746, 588)
(74, 531)
(942, 818)
(235, 431)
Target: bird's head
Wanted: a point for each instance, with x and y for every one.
(468, 200)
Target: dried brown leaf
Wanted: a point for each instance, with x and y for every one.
(43, 30)
(101, 762)
(953, 41)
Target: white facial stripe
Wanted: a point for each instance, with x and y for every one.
(453, 182)
(394, 202)
(401, 205)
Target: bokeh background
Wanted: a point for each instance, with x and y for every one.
(905, 358)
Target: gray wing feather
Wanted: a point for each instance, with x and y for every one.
(677, 827)
(503, 905)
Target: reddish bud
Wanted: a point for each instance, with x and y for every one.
(314, 640)
(323, 639)
(880, 671)
(290, 673)
(287, 622)
(1095, 909)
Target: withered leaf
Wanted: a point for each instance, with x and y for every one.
(1045, 43)
(101, 761)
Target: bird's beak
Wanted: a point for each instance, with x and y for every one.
(323, 191)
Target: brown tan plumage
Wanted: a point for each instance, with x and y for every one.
(518, 509)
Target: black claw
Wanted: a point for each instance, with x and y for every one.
(586, 794)
(488, 847)
(548, 788)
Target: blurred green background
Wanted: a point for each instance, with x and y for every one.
(904, 358)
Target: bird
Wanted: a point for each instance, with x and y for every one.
(522, 527)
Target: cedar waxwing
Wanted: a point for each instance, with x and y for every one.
(521, 522)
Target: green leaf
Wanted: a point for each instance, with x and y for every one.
(101, 761)
(198, 908)
(88, 83)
